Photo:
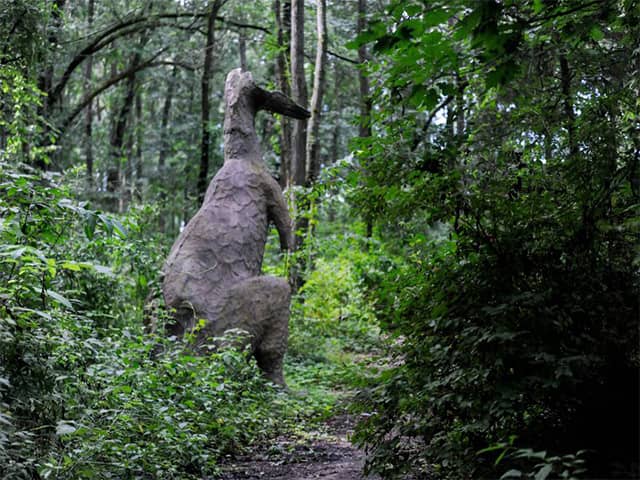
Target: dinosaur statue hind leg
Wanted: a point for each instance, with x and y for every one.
(259, 305)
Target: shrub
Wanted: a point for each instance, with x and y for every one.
(486, 351)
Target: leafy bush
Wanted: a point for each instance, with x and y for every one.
(331, 308)
(523, 320)
(487, 351)
(82, 393)
(135, 416)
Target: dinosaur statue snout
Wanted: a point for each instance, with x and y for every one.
(278, 102)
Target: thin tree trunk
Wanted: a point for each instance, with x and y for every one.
(139, 171)
(338, 99)
(88, 118)
(364, 129)
(363, 80)
(460, 122)
(313, 144)
(114, 173)
(334, 151)
(299, 134)
(165, 139)
(185, 213)
(299, 92)
(565, 79)
(45, 78)
(205, 89)
(164, 122)
(449, 122)
(282, 38)
(242, 49)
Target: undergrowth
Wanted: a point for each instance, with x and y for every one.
(85, 394)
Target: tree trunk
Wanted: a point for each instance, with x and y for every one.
(165, 139)
(565, 79)
(299, 135)
(299, 92)
(460, 123)
(205, 89)
(364, 129)
(138, 172)
(164, 122)
(88, 117)
(338, 105)
(114, 172)
(282, 37)
(45, 77)
(363, 80)
(313, 144)
(242, 49)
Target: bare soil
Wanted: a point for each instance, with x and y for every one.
(325, 453)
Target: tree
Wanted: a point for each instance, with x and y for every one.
(299, 92)
(88, 119)
(282, 13)
(515, 226)
(364, 123)
(214, 8)
(312, 166)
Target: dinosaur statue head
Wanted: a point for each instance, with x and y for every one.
(243, 100)
(241, 91)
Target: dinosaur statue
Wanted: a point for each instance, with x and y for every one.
(213, 269)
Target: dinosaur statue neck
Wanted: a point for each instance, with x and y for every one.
(240, 138)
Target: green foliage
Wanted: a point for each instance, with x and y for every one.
(510, 195)
(541, 465)
(20, 124)
(169, 416)
(331, 313)
(22, 32)
(82, 393)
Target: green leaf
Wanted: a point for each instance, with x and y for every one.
(119, 228)
(424, 98)
(73, 266)
(412, 10)
(106, 222)
(90, 225)
(511, 474)
(544, 472)
(59, 298)
(537, 6)
(64, 428)
(436, 17)
(376, 30)
(492, 448)
(596, 33)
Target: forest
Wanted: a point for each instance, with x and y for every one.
(464, 263)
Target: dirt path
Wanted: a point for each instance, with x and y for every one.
(323, 454)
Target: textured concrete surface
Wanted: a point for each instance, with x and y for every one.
(213, 269)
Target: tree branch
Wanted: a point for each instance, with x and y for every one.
(425, 127)
(106, 37)
(109, 83)
(133, 25)
(341, 57)
(569, 11)
(244, 25)
(175, 63)
(81, 56)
